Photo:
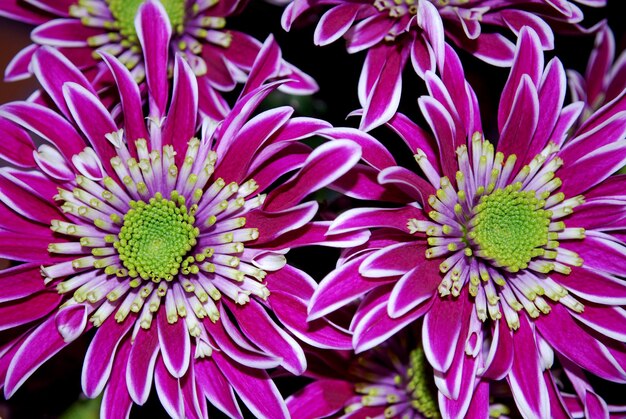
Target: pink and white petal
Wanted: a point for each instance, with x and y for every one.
(610, 130)
(442, 330)
(71, 320)
(444, 128)
(47, 124)
(257, 325)
(243, 50)
(16, 10)
(20, 281)
(492, 48)
(368, 32)
(254, 387)
(429, 19)
(610, 321)
(422, 56)
(479, 405)
(56, 7)
(174, 343)
(558, 409)
(373, 152)
(560, 330)
(569, 115)
(464, 378)
(19, 312)
(101, 353)
(408, 182)
(31, 248)
(53, 70)
(53, 164)
(594, 286)
(193, 399)
(169, 391)
(116, 402)
(600, 60)
(298, 128)
(216, 388)
(376, 326)
(517, 19)
(180, 123)
(500, 355)
(413, 288)
(335, 23)
(152, 19)
(600, 253)
(265, 66)
(280, 158)
(16, 146)
(362, 218)
(24, 202)
(384, 97)
(415, 137)
(69, 33)
(40, 345)
(19, 67)
(141, 362)
(525, 378)
(340, 287)
(292, 313)
(324, 165)
(393, 260)
(271, 225)
(298, 82)
(218, 73)
(320, 399)
(361, 182)
(528, 61)
(130, 99)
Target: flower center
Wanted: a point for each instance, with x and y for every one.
(421, 384)
(156, 236)
(509, 226)
(397, 8)
(124, 12)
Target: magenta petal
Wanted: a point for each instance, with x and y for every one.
(413, 288)
(39, 346)
(154, 32)
(362, 218)
(600, 253)
(373, 152)
(14, 9)
(361, 183)
(20, 281)
(392, 260)
(130, 98)
(429, 19)
(461, 377)
(116, 402)
(216, 387)
(415, 137)
(594, 286)
(24, 202)
(479, 406)
(254, 387)
(368, 32)
(610, 321)
(281, 158)
(324, 165)
(23, 248)
(19, 67)
(517, 19)
(500, 356)
(320, 399)
(101, 353)
(257, 326)
(266, 65)
(71, 320)
(53, 70)
(408, 182)
(560, 330)
(175, 344)
(557, 404)
(218, 75)
(340, 287)
(16, 146)
(444, 128)
(69, 33)
(33, 307)
(442, 330)
(93, 119)
(525, 378)
(141, 363)
(168, 390)
(335, 23)
(194, 400)
(273, 224)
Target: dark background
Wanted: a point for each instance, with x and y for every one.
(54, 391)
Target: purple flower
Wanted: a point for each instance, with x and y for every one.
(605, 77)
(519, 246)
(197, 30)
(160, 233)
(393, 31)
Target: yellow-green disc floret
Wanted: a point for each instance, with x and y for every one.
(156, 236)
(124, 12)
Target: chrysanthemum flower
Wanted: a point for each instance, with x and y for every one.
(158, 235)
(519, 246)
(605, 76)
(220, 56)
(393, 31)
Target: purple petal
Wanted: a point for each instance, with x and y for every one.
(130, 99)
(368, 32)
(500, 356)
(610, 321)
(28, 248)
(373, 152)
(56, 7)
(116, 402)
(408, 182)
(600, 254)
(442, 330)
(24, 202)
(361, 218)
(479, 406)
(335, 23)
(16, 10)
(194, 400)
(53, 70)
(218, 75)
(444, 128)
(19, 67)
(101, 353)
(64, 33)
(216, 387)
(320, 399)
(254, 387)
(361, 182)
(175, 344)
(18, 312)
(39, 346)
(71, 321)
(392, 260)
(169, 391)
(600, 61)
(152, 19)
(20, 281)
(413, 288)
(266, 65)
(594, 286)
(141, 362)
(517, 19)
(463, 378)
(257, 326)
(492, 48)
(340, 287)
(271, 225)
(180, 123)
(429, 19)
(282, 158)
(324, 165)
(415, 137)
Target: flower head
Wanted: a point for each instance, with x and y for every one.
(393, 31)
(197, 30)
(160, 231)
(510, 246)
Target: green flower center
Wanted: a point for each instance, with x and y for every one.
(124, 12)
(421, 384)
(156, 236)
(509, 226)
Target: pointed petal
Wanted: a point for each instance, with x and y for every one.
(174, 343)
(141, 362)
(216, 388)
